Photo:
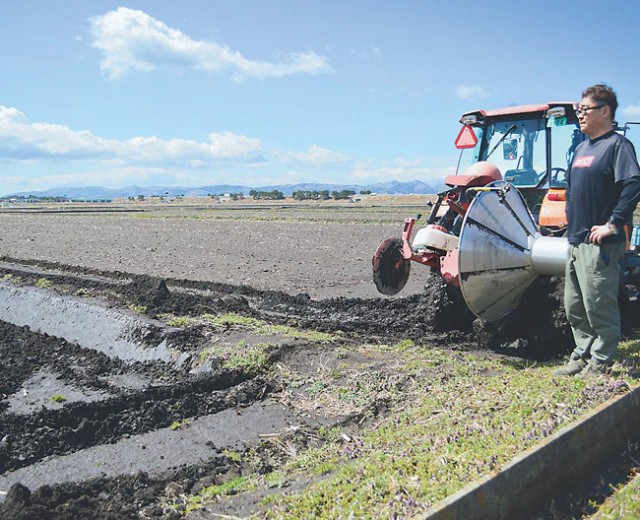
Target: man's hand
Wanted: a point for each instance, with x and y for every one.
(600, 232)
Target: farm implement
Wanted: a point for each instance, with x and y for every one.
(499, 225)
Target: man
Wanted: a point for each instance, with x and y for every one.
(603, 191)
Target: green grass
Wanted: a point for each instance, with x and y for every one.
(298, 214)
(471, 417)
(43, 283)
(462, 426)
(176, 425)
(383, 212)
(179, 322)
(255, 326)
(210, 493)
(233, 456)
(451, 418)
(623, 505)
(254, 357)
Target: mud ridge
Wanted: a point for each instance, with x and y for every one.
(537, 329)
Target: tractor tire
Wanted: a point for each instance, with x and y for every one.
(629, 313)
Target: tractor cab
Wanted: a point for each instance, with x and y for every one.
(532, 146)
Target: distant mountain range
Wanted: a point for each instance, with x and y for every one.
(97, 192)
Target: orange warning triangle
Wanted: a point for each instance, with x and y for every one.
(466, 138)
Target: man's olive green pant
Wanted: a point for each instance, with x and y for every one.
(591, 299)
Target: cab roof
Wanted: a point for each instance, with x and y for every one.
(522, 110)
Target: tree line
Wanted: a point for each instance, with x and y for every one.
(266, 195)
(322, 195)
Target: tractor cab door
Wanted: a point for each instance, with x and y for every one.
(564, 137)
(519, 149)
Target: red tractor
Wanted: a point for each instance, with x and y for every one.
(526, 147)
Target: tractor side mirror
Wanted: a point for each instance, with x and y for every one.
(510, 149)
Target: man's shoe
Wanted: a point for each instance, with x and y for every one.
(596, 368)
(573, 367)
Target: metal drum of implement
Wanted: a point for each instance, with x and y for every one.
(501, 252)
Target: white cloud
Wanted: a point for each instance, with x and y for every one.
(470, 92)
(21, 140)
(12, 180)
(367, 54)
(315, 156)
(632, 110)
(221, 146)
(133, 40)
(402, 170)
(41, 155)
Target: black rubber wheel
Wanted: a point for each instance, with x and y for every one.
(390, 269)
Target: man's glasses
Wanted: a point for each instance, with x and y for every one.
(583, 111)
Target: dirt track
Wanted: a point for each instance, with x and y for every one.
(127, 439)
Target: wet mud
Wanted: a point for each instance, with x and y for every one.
(84, 434)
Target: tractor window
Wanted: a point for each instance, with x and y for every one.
(564, 140)
(518, 149)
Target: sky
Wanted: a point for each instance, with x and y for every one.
(267, 92)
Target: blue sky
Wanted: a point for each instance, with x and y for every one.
(262, 92)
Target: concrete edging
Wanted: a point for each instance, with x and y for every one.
(548, 468)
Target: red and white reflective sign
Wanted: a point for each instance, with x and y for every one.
(466, 138)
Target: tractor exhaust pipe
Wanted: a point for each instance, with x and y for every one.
(501, 252)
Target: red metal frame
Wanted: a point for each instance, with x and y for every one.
(426, 258)
(447, 265)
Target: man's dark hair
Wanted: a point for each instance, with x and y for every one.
(603, 94)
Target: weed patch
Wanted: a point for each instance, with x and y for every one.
(248, 325)
(43, 283)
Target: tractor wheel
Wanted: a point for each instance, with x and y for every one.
(629, 310)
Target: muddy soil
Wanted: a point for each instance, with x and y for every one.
(85, 434)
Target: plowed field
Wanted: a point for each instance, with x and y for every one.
(147, 357)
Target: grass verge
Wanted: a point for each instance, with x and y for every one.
(449, 419)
